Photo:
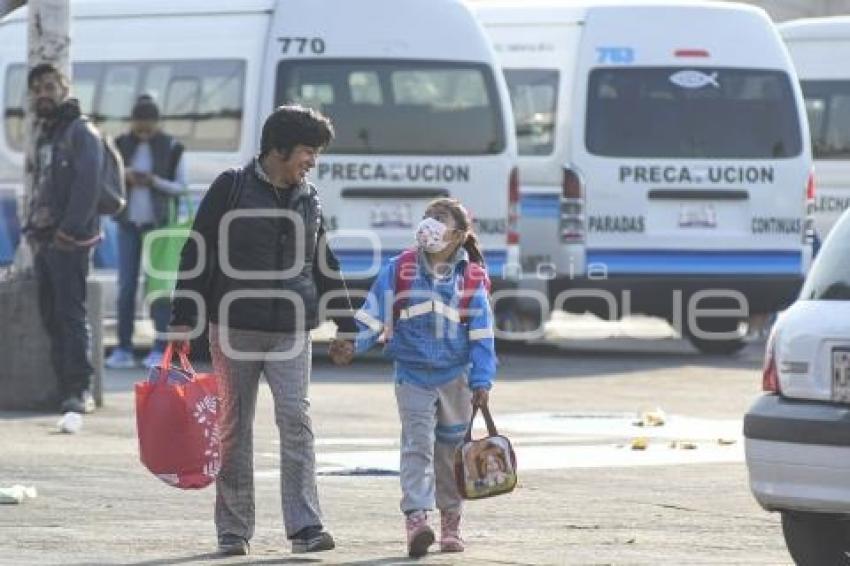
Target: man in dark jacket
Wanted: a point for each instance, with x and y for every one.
(266, 266)
(62, 228)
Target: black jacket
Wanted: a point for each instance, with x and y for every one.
(71, 190)
(166, 152)
(269, 244)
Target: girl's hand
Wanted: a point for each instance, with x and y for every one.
(480, 398)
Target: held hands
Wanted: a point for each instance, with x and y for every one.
(480, 398)
(341, 351)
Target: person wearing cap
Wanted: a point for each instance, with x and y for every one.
(155, 172)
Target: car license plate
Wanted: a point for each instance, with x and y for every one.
(841, 375)
(697, 216)
(391, 216)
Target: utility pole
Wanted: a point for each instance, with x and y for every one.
(27, 378)
(48, 41)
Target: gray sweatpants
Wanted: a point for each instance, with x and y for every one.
(289, 381)
(433, 424)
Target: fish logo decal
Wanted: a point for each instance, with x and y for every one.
(694, 79)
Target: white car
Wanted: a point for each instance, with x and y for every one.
(798, 433)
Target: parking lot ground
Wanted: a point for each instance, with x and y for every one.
(584, 497)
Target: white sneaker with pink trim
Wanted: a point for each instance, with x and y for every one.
(420, 535)
(450, 540)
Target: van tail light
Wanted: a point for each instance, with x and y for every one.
(770, 375)
(809, 224)
(810, 186)
(691, 53)
(513, 207)
(572, 207)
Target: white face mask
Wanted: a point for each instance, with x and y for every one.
(429, 235)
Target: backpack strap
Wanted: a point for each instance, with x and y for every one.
(212, 252)
(405, 273)
(231, 202)
(235, 189)
(474, 275)
(67, 131)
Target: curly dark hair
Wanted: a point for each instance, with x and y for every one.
(293, 125)
(43, 69)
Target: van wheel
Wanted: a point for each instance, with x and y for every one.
(508, 320)
(815, 538)
(719, 347)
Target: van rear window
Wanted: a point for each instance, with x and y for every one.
(691, 112)
(828, 107)
(399, 107)
(534, 97)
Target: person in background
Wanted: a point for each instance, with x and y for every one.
(155, 171)
(62, 227)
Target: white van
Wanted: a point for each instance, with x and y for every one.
(418, 102)
(820, 48)
(664, 159)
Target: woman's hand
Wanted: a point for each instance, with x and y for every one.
(181, 343)
(480, 398)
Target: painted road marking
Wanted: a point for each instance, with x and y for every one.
(555, 441)
(620, 425)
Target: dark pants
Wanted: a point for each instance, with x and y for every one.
(130, 238)
(62, 298)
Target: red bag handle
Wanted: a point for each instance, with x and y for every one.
(488, 419)
(165, 364)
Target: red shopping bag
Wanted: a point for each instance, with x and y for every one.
(177, 423)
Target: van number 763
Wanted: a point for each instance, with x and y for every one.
(301, 45)
(616, 55)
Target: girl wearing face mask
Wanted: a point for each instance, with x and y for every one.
(444, 361)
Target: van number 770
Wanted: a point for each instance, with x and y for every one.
(302, 45)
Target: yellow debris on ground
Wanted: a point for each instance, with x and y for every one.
(655, 417)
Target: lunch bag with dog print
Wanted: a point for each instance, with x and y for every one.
(485, 467)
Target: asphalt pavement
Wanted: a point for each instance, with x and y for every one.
(584, 497)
